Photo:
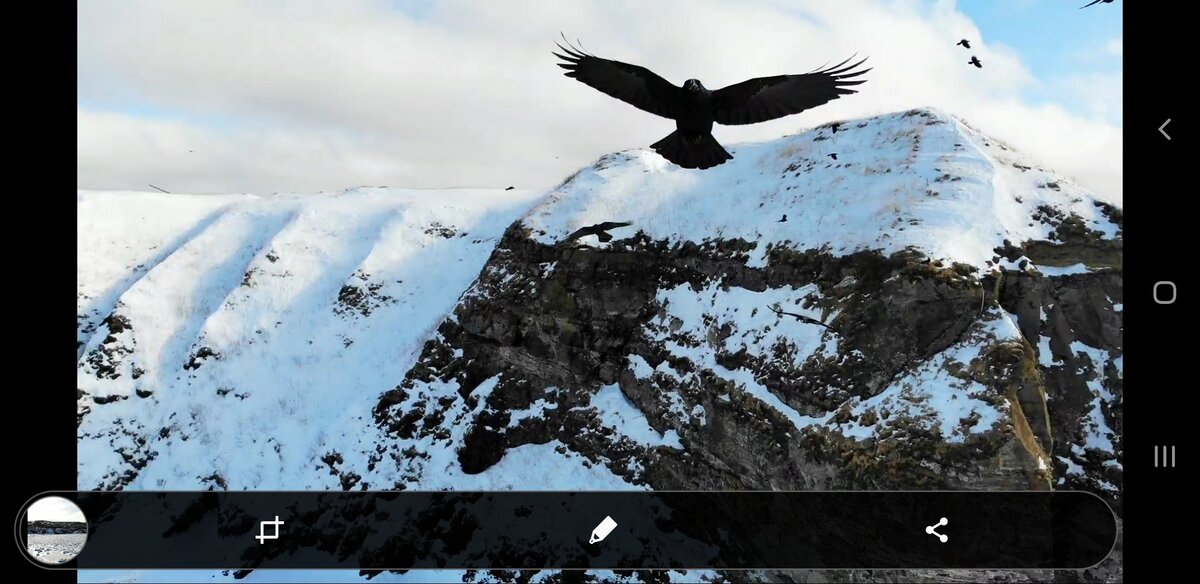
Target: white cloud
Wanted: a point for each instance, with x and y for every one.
(1099, 94)
(324, 95)
(54, 509)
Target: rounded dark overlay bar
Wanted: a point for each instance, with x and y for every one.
(627, 530)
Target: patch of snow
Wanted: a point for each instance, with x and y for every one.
(756, 327)
(642, 370)
(675, 404)
(550, 466)
(1072, 468)
(1098, 435)
(1070, 270)
(617, 412)
(930, 392)
(1045, 354)
(640, 367)
(751, 386)
(535, 410)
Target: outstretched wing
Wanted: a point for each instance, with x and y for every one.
(634, 85)
(800, 317)
(581, 232)
(1089, 4)
(611, 225)
(768, 98)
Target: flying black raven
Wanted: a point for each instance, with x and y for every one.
(783, 219)
(695, 108)
(964, 43)
(800, 317)
(1095, 2)
(600, 230)
(833, 155)
(975, 61)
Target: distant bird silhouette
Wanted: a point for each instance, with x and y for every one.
(800, 317)
(1095, 2)
(784, 219)
(964, 43)
(835, 127)
(600, 230)
(833, 155)
(695, 108)
(975, 61)
(509, 188)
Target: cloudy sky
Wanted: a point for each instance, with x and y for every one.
(55, 509)
(304, 95)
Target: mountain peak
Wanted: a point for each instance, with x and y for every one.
(920, 179)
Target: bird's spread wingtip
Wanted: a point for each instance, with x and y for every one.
(842, 70)
(571, 49)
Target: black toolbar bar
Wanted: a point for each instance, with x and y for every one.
(608, 529)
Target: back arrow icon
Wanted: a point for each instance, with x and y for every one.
(1162, 129)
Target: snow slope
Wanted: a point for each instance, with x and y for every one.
(123, 235)
(309, 305)
(56, 548)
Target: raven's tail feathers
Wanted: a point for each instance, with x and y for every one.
(692, 151)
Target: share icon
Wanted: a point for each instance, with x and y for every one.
(932, 530)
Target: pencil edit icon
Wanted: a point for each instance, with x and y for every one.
(603, 529)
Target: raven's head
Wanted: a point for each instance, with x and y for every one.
(694, 86)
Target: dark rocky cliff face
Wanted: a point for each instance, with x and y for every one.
(556, 323)
(576, 327)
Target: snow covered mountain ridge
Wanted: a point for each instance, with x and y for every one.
(961, 328)
(919, 178)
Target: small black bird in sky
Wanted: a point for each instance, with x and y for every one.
(833, 155)
(800, 317)
(964, 43)
(784, 219)
(975, 61)
(696, 108)
(835, 127)
(600, 230)
(509, 188)
(1095, 2)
